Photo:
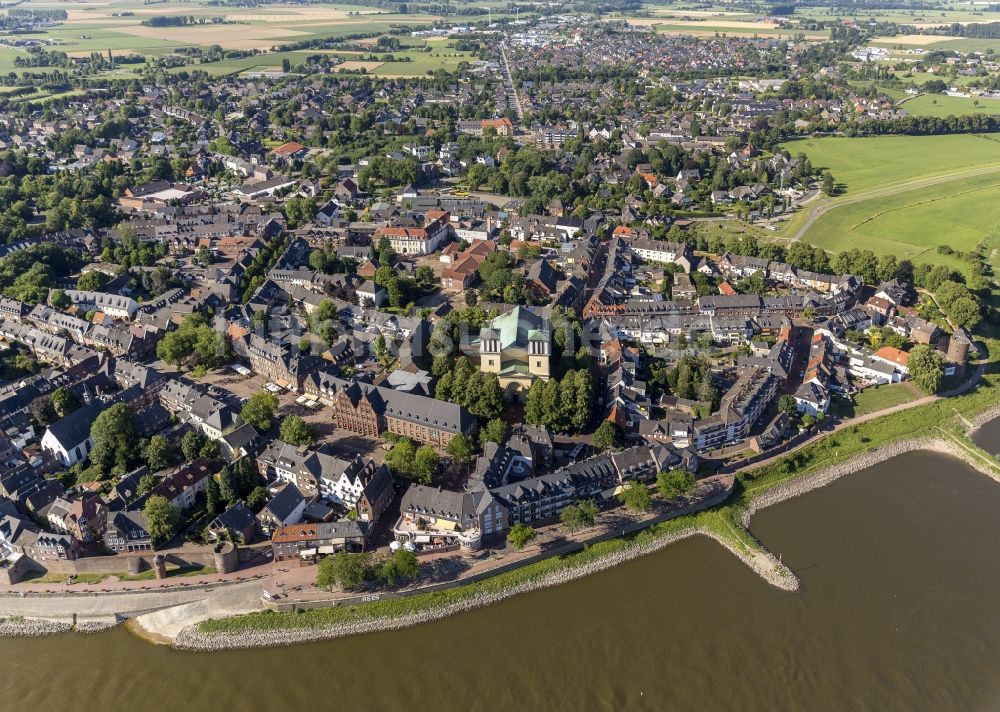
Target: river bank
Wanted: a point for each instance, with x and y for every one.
(807, 483)
(191, 638)
(759, 559)
(237, 621)
(976, 423)
(16, 627)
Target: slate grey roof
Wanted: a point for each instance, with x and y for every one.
(74, 428)
(284, 502)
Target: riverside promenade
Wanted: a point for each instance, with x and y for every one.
(164, 611)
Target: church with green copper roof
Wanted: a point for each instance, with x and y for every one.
(516, 346)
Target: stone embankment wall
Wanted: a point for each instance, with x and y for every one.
(30, 628)
(16, 627)
(193, 639)
(136, 561)
(821, 478)
(983, 418)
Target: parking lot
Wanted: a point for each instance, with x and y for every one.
(345, 444)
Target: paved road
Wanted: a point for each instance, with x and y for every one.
(125, 605)
(509, 84)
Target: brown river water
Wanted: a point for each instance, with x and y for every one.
(898, 610)
(988, 436)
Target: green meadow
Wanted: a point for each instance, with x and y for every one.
(910, 225)
(941, 105)
(862, 164)
(905, 195)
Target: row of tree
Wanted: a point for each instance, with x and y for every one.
(467, 386)
(563, 405)
(352, 570)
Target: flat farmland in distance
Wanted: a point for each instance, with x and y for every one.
(93, 27)
(911, 224)
(904, 195)
(863, 164)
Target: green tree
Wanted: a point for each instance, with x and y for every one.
(348, 570)
(926, 367)
(158, 453)
(401, 566)
(115, 439)
(296, 431)
(400, 458)
(213, 498)
(203, 256)
(257, 499)
(674, 483)
(425, 464)
(259, 409)
(210, 450)
(520, 535)
(194, 343)
(571, 518)
(635, 496)
(64, 401)
(588, 512)
(787, 404)
(606, 436)
(828, 185)
(460, 447)
(229, 486)
(162, 519)
(93, 281)
(58, 299)
(965, 311)
(146, 483)
(191, 444)
(579, 515)
(494, 431)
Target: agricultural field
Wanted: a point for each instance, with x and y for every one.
(940, 42)
(861, 164)
(102, 25)
(705, 24)
(942, 105)
(903, 195)
(734, 29)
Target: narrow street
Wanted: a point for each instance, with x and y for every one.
(509, 84)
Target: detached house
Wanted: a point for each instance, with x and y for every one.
(286, 507)
(68, 439)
